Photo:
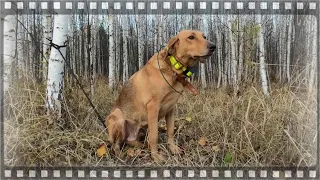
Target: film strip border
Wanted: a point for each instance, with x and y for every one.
(165, 6)
(133, 173)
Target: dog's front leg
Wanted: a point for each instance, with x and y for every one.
(170, 131)
(153, 113)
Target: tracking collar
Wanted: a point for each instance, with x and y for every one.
(177, 65)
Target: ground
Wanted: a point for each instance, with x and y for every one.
(214, 128)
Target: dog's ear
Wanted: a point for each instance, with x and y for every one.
(170, 47)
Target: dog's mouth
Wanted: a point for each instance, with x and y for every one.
(203, 58)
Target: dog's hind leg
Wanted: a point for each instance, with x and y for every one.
(132, 130)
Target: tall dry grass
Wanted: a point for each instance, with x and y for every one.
(252, 129)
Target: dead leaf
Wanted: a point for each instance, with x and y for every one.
(138, 152)
(215, 148)
(163, 126)
(203, 141)
(188, 118)
(131, 152)
(102, 150)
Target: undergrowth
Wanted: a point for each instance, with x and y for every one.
(252, 129)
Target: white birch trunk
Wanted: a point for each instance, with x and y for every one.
(56, 65)
(280, 55)
(240, 51)
(160, 32)
(240, 69)
(85, 53)
(308, 43)
(263, 73)
(202, 27)
(219, 49)
(47, 34)
(156, 31)
(117, 48)
(93, 47)
(30, 44)
(111, 53)
(289, 47)
(313, 49)
(125, 72)
(9, 48)
(224, 62)
(233, 60)
(20, 42)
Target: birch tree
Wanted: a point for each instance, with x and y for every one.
(118, 46)
(111, 52)
(233, 61)
(20, 43)
(92, 49)
(288, 58)
(55, 82)
(156, 32)
(240, 53)
(30, 43)
(9, 40)
(47, 35)
(263, 73)
(203, 23)
(280, 52)
(140, 22)
(313, 54)
(219, 49)
(125, 27)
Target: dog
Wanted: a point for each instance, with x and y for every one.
(152, 92)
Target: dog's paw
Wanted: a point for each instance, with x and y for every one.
(157, 158)
(174, 149)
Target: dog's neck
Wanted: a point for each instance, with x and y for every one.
(177, 65)
(181, 72)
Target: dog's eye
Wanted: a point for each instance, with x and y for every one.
(204, 37)
(191, 37)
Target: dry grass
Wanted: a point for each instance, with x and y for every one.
(256, 131)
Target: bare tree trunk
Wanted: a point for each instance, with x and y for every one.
(280, 55)
(313, 54)
(219, 49)
(111, 52)
(263, 73)
(47, 35)
(156, 32)
(20, 48)
(233, 60)
(9, 34)
(202, 66)
(92, 48)
(125, 48)
(29, 46)
(289, 47)
(240, 53)
(56, 65)
(117, 49)
(86, 51)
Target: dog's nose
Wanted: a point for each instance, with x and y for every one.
(211, 46)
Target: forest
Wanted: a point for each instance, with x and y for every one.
(257, 101)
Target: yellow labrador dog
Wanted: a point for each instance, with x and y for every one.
(151, 93)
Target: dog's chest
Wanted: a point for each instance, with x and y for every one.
(168, 103)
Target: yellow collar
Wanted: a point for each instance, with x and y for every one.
(177, 65)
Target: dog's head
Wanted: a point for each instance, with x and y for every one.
(189, 47)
